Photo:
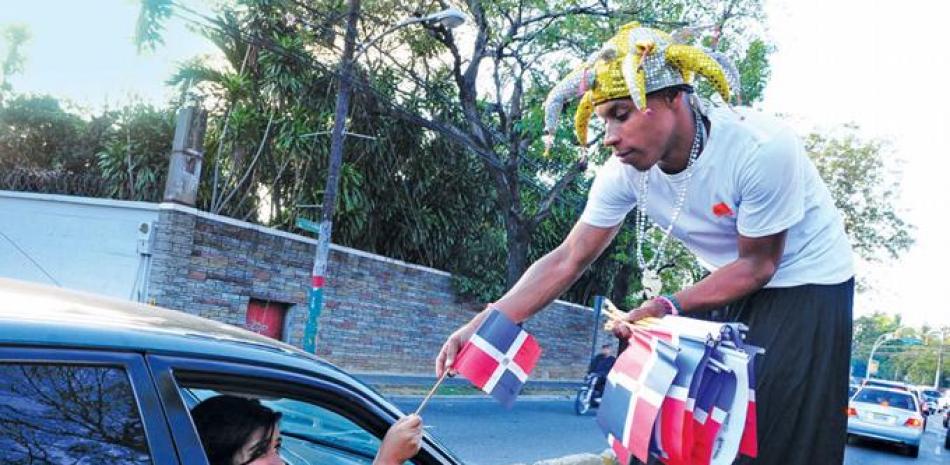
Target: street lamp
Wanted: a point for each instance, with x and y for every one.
(450, 18)
(877, 343)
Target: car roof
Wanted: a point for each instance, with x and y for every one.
(38, 315)
(886, 383)
(887, 389)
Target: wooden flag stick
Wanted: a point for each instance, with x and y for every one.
(431, 392)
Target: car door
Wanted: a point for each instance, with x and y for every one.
(62, 406)
(324, 421)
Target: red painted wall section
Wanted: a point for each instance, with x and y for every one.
(266, 318)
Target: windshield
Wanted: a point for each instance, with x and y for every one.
(931, 394)
(883, 398)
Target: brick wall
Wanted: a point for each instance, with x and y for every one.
(380, 315)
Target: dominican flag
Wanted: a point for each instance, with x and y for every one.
(734, 400)
(750, 444)
(635, 388)
(673, 434)
(696, 387)
(713, 403)
(498, 358)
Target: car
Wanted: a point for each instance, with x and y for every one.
(944, 402)
(931, 398)
(87, 379)
(886, 414)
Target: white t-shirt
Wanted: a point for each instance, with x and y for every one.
(755, 166)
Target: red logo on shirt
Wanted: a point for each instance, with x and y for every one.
(721, 209)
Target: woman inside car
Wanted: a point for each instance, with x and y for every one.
(240, 431)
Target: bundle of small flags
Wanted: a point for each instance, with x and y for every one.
(682, 391)
(498, 358)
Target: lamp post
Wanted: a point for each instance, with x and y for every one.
(877, 343)
(449, 18)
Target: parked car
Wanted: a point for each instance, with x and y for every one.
(887, 414)
(94, 380)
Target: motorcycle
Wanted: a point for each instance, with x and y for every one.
(589, 394)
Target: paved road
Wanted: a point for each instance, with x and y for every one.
(481, 432)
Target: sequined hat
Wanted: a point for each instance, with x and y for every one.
(636, 61)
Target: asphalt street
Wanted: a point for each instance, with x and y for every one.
(481, 432)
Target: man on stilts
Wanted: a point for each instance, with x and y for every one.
(736, 187)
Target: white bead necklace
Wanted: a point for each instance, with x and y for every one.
(650, 279)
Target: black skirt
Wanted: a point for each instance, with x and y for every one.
(802, 380)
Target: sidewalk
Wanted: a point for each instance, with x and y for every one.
(412, 386)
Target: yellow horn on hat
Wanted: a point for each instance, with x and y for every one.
(689, 59)
(585, 109)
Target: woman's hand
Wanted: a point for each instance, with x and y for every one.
(402, 441)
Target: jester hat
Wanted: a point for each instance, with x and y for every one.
(633, 63)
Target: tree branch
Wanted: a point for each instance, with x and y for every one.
(544, 209)
(250, 168)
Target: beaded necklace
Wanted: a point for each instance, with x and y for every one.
(650, 279)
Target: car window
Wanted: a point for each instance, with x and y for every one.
(311, 434)
(886, 398)
(931, 394)
(68, 414)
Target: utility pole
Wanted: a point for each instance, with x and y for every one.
(318, 277)
(184, 165)
(939, 358)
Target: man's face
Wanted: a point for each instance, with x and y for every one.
(639, 138)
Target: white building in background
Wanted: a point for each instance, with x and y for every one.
(95, 245)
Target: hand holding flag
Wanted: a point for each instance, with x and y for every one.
(498, 358)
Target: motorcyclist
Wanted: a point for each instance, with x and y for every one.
(600, 365)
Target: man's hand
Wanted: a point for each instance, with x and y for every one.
(650, 308)
(402, 441)
(454, 344)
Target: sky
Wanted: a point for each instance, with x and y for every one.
(880, 65)
(883, 66)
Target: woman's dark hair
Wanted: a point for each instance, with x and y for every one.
(225, 424)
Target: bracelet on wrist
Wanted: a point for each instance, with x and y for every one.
(670, 303)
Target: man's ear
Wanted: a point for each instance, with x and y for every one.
(679, 99)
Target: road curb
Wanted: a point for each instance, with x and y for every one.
(606, 457)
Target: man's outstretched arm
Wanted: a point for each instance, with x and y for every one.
(544, 281)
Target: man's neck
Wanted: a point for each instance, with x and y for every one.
(677, 159)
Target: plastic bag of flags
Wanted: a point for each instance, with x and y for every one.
(682, 392)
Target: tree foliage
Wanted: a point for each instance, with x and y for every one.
(133, 162)
(47, 146)
(910, 357)
(864, 190)
(12, 38)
